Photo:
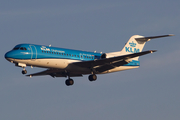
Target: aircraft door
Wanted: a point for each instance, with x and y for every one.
(33, 52)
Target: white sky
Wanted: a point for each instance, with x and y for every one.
(150, 92)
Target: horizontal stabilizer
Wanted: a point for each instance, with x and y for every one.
(152, 37)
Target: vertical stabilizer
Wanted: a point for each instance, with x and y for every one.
(134, 45)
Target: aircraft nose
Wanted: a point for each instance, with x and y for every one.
(8, 55)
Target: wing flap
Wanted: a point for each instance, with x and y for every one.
(111, 65)
(104, 68)
(55, 73)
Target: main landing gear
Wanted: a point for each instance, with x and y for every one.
(92, 77)
(69, 82)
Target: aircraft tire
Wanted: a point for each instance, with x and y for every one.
(92, 77)
(24, 71)
(69, 82)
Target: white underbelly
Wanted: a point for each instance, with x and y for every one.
(46, 63)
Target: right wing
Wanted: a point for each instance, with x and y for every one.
(102, 65)
(119, 59)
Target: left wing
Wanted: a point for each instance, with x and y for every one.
(54, 73)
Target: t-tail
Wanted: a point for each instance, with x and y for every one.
(135, 45)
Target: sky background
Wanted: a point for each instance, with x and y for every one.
(150, 92)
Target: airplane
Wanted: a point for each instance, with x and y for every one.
(61, 62)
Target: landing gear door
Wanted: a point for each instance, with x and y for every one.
(33, 52)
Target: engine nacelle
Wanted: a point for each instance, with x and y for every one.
(103, 56)
(108, 55)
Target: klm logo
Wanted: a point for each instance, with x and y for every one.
(132, 44)
(132, 49)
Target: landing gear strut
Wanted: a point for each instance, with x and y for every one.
(92, 77)
(69, 82)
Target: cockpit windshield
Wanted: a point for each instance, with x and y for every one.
(23, 48)
(19, 48)
(16, 48)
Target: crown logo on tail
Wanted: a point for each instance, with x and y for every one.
(132, 44)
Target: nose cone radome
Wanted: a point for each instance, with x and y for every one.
(8, 55)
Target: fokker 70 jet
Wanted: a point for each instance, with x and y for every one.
(61, 62)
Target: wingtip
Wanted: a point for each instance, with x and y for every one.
(171, 35)
(151, 51)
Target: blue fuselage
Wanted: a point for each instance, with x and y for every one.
(31, 51)
(52, 57)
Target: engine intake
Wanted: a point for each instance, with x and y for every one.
(103, 56)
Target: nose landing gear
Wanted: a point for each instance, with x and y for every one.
(24, 71)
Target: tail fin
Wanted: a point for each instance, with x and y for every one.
(136, 44)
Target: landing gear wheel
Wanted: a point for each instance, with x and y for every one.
(92, 77)
(24, 71)
(69, 82)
